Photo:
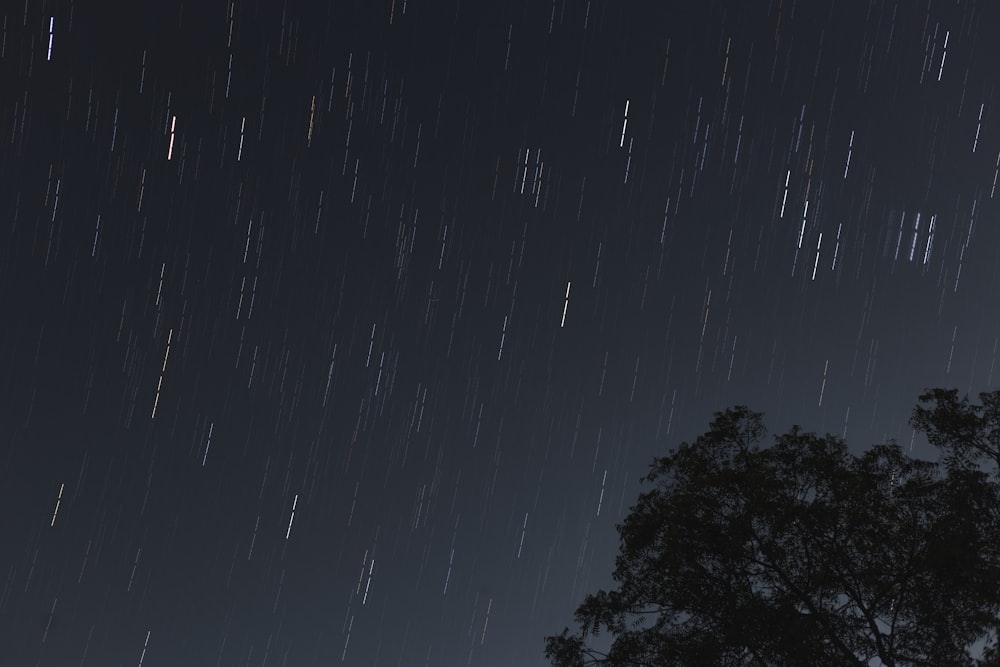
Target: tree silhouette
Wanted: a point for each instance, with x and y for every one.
(802, 553)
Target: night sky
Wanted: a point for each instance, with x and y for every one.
(341, 332)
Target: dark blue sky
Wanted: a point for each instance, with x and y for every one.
(340, 333)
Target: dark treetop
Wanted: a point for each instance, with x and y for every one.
(802, 553)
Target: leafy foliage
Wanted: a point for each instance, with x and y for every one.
(804, 553)
(967, 433)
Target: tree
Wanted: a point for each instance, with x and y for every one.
(966, 433)
(802, 553)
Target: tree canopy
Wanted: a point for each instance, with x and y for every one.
(804, 553)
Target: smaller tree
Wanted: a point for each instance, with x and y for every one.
(798, 553)
(967, 433)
